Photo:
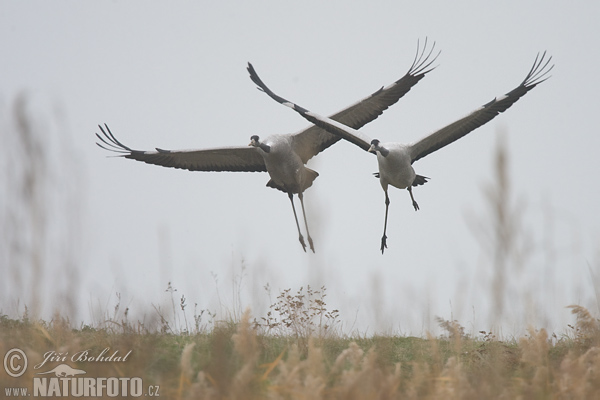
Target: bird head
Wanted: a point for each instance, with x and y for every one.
(374, 146)
(254, 141)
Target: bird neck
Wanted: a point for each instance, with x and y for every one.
(265, 147)
(384, 152)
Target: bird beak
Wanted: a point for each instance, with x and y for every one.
(252, 143)
(372, 149)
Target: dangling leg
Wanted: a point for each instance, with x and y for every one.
(310, 241)
(300, 237)
(415, 205)
(384, 237)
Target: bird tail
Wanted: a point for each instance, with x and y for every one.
(275, 185)
(420, 180)
(308, 178)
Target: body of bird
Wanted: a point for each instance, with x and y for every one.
(286, 169)
(395, 166)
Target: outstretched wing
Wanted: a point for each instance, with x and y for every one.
(315, 139)
(538, 74)
(331, 127)
(220, 159)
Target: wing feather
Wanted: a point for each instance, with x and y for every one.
(538, 74)
(246, 159)
(332, 128)
(315, 139)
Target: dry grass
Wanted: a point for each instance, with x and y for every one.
(237, 361)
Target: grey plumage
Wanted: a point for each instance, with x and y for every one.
(395, 159)
(282, 156)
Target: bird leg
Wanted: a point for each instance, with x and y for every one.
(384, 237)
(310, 241)
(415, 205)
(300, 237)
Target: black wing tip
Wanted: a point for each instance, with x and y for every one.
(110, 142)
(539, 71)
(264, 88)
(537, 74)
(255, 78)
(422, 63)
(251, 70)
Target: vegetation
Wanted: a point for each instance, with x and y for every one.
(291, 354)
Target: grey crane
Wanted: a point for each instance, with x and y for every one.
(283, 156)
(395, 159)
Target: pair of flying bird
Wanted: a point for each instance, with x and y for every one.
(284, 156)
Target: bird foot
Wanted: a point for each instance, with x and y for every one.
(310, 243)
(415, 205)
(301, 239)
(383, 243)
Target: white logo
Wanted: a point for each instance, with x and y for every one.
(63, 371)
(15, 362)
(63, 380)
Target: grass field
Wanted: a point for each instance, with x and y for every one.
(296, 353)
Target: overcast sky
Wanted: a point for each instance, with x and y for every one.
(172, 75)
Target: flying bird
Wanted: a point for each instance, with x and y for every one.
(283, 156)
(395, 159)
